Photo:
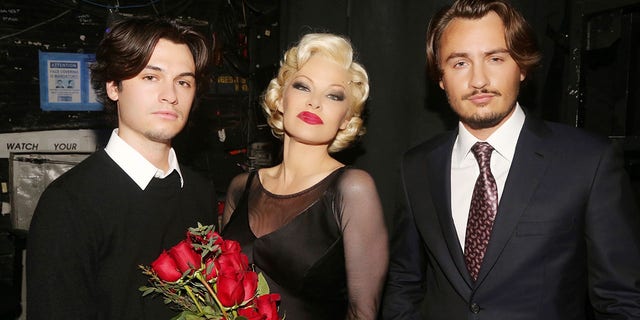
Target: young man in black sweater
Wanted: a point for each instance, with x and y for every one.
(123, 205)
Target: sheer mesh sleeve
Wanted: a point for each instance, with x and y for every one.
(365, 243)
(234, 192)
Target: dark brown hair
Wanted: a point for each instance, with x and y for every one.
(128, 45)
(519, 37)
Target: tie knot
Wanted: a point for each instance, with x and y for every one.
(482, 152)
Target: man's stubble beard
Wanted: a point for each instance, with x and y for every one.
(485, 121)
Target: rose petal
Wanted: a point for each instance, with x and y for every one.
(165, 267)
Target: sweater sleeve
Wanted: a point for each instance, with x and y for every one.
(61, 259)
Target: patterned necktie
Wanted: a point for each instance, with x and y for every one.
(482, 213)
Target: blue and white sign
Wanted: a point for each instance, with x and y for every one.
(65, 83)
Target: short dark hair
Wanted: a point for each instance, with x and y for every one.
(519, 36)
(128, 44)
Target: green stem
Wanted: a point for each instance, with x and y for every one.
(190, 293)
(215, 297)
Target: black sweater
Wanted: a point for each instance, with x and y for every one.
(93, 227)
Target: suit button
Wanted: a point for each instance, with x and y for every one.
(474, 307)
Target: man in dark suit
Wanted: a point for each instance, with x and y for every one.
(541, 224)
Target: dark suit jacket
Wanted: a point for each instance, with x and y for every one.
(566, 238)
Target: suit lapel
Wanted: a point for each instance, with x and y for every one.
(438, 229)
(440, 172)
(530, 160)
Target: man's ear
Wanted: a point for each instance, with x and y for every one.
(112, 90)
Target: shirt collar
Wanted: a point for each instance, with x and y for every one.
(135, 165)
(503, 140)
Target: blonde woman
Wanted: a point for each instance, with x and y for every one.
(312, 225)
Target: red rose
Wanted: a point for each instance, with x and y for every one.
(230, 289)
(249, 284)
(165, 267)
(250, 313)
(230, 246)
(218, 239)
(185, 256)
(232, 262)
(266, 305)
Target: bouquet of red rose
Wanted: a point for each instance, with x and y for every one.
(208, 277)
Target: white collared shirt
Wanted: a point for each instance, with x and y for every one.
(465, 170)
(135, 165)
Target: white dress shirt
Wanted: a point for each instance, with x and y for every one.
(465, 170)
(135, 165)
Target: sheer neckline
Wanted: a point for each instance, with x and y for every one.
(299, 193)
(279, 212)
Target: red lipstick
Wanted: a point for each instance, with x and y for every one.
(310, 118)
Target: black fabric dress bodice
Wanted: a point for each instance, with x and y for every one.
(300, 250)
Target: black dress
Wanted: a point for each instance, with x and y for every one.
(297, 241)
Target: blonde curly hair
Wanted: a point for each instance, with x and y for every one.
(339, 50)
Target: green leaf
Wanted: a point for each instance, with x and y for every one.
(194, 317)
(263, 286)
(209, 268)
(147, 291)
(188, 315)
